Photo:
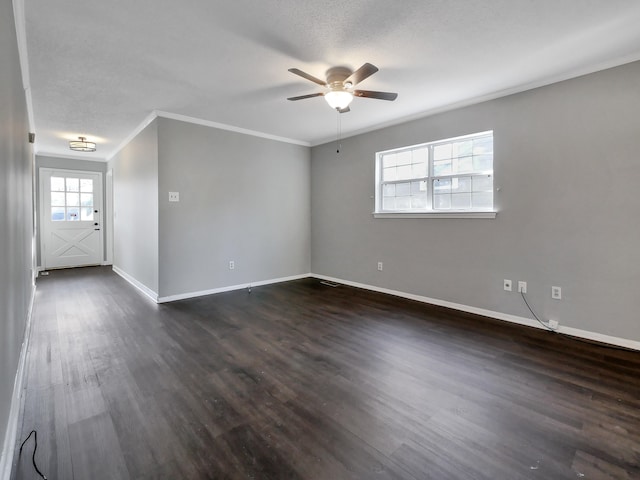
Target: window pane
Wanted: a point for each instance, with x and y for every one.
(73, 199)
(73, 214)
(442, 168)
(389, 190)
(389, 160)
(73, 184)
(419, 201)
(389, 203)
(403, 203)
(482, 200)
(57, 199)
(418, 188)
(404, 172)
(421, 155)
(57, 214)
(483, 163)
(463, 165)
(57, 184)
(404, 158)
(442, 185)
(483, 145)
(462, 149)
(86, 185)
(419, 170)
(461, 200)
(442, 152)
(389, 174)
(86, 214)
(461, 184)
(441, 202)
(483, 183)
(403, 189)
(86, 199)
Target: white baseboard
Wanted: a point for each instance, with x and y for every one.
(9, 445)
(574, 332)
(141, 287)
(183, 296)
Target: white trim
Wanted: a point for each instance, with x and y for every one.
(575, 332)
(71, 156)
(144, 124)
(21, 36)
(143, 288)
(231, 128)
(108, 217)
(9, 445)
(183, 296)
(436, 215)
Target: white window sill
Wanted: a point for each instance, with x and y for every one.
(435, 215)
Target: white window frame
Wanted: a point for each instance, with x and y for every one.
(429, 211)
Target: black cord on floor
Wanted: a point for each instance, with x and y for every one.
(35, 447)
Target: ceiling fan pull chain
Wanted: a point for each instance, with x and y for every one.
(339, 132)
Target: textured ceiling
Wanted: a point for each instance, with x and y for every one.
(99, 68)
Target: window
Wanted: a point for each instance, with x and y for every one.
(448, 176)
(71, 199)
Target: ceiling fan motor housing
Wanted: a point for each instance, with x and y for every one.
(336, 77)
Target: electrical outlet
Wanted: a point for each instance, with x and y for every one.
(507, 285)
(556, 293)
(380, 266)
(232, 265)
(522, 287)
(553, 324)
(174, 196)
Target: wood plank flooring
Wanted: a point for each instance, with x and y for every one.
(303, 381)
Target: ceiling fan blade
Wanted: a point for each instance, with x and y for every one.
(302, 97)
(377, 95)
(343, 110)
(359, 75)
(308, 77)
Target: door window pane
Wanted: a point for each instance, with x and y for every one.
(73, 214)
(57, 199)
(86, 199)
(73, 184)
(73, 199)
(86, 185)
(86, 214)
(57, 184)
(57, 214)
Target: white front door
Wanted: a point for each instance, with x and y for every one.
(70, 218)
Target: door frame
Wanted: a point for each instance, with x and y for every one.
(41, 214)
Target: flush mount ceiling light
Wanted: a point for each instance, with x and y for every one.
(81, 145)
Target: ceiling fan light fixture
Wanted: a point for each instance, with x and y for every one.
(338, 99)
(81, 145)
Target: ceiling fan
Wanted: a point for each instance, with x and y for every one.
(340, 86)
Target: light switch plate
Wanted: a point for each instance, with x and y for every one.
(174, 196)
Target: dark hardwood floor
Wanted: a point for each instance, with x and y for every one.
(303, 381)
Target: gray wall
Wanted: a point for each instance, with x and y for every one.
(135, 207)
(16, 214)
(567, 165)
(69, 164)
(242, 198)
